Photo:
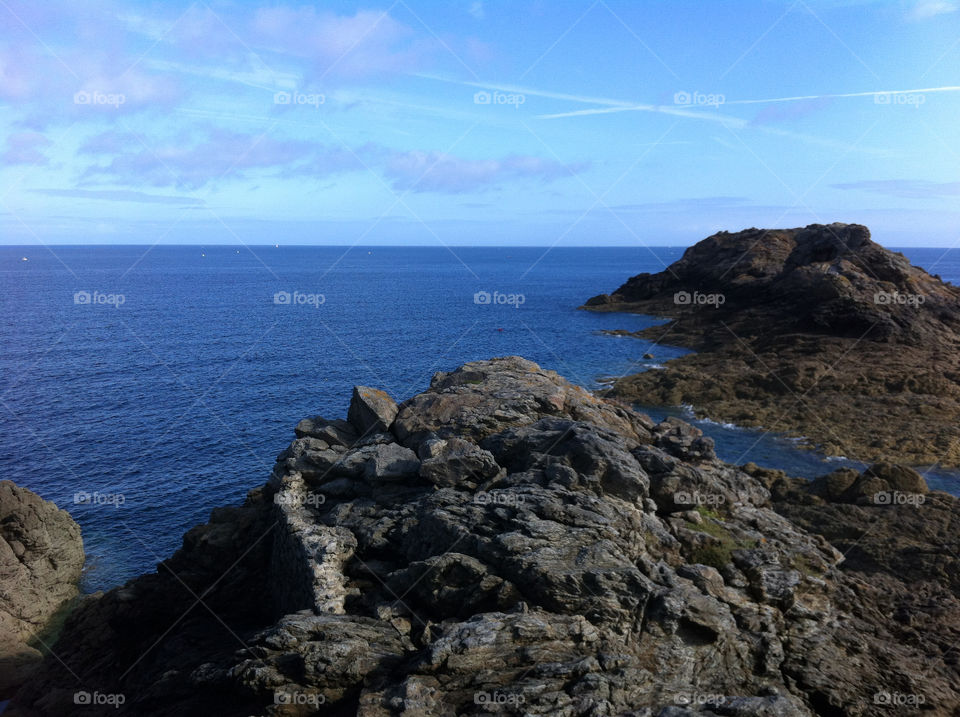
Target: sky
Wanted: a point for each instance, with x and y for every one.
(575, 123)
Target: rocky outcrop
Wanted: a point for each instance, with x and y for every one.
(41, 557)
(817, 332)
(512, 543)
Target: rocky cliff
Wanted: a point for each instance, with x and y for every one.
(505, 541)
(41, 557)
(819, 332)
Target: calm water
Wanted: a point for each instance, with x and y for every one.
(178, 399)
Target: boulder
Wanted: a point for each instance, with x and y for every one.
(391, 462)
(371, 410)
(456, 462)
(335, 433)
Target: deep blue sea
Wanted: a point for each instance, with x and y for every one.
(153, 385)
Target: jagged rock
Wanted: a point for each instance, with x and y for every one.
(547, 570)
(41, 558)
(391, 462)
(456, 462)
(485, 397)
(682, 440)
(371, 410)
(335, 433)
(882, 484)
(794, 327)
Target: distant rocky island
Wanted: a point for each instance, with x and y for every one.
(508, 542)
(816, 332)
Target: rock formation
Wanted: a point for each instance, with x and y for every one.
(818, 332)
(41, 556)
(509, 542)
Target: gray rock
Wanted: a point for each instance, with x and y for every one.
(456, 462)
(371, 410)
(391, 462)
(41, 558)
(335, 432)
(682, 440)
(531, 557)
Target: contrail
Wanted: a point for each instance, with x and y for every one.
(797, 98)
(925, 90)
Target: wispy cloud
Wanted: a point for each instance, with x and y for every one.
(120, 195)
(931, 8)
(222, 155)
(25, 148)
(904, 188)
(438, 172)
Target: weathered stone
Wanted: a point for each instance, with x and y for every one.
(41, 557)
(391, 462)
(456, 462)
(549, 570)
(335, 432)
(371, 410)
(817, 331)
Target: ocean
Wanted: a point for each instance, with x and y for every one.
(141, 387)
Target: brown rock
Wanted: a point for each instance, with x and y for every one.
(816, 332)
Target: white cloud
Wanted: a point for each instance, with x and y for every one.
(931, 8)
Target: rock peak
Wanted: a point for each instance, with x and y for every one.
(825, 278)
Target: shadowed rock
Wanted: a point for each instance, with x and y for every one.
(371, 410)
(41, 557)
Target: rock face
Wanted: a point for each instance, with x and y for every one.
(371, 410)
(512, 543)
(41, 556)
(818, 332)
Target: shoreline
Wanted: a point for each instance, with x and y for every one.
(700, 417)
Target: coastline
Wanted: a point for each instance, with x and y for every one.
(508, 517)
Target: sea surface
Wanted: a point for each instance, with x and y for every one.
(142, 387)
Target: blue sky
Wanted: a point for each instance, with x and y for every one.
(453, 123)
